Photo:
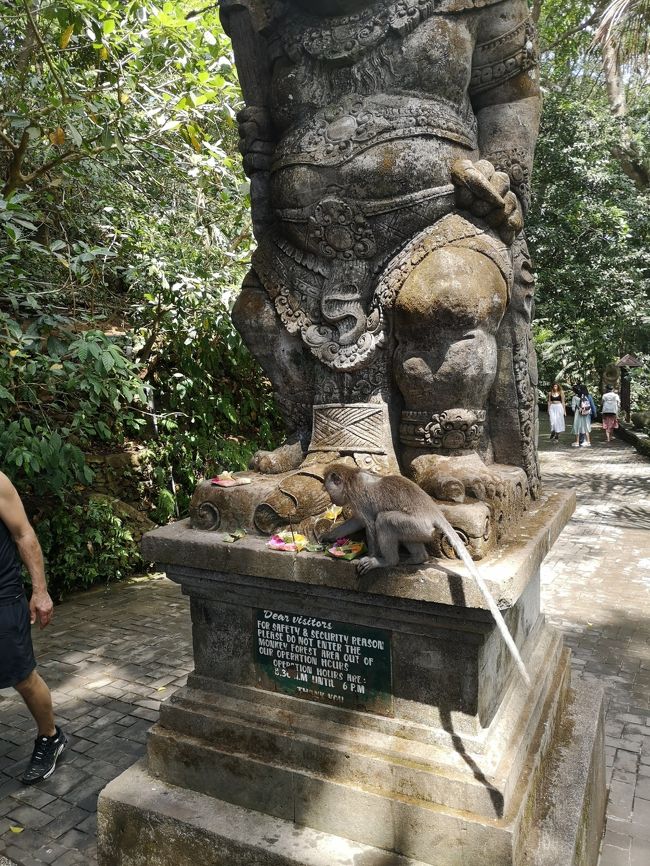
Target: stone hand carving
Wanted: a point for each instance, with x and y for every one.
(256, 142)
(389, 145)
(486, 193)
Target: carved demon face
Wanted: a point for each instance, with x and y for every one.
(331, 7)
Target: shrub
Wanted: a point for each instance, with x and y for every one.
(84, 544)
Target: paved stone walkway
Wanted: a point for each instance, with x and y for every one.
(596, 588)
(112, 655)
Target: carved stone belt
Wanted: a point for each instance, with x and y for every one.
(337, 133)
(373, 207)
(339, 228)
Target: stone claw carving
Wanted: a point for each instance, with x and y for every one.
(457, 478)
(282, 459)
(485, 192)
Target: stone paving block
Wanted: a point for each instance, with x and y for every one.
(49, 853)
(28, 841)
(626, 760)
(77, 839)
(27, 816)
(89, 825)
(145, 713)
(616, 839)
(8, 787)
(33, 796)
(64, 779)
(624, 776)
(640, 854)
(26, 860)
(88, 788)
(643, 788)
(11, 852)
(641, 816)
(69, 819)
(81, 746)
(72, 858)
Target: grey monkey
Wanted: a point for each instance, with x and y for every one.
(393, 510)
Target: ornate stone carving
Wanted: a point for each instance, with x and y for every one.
(349, 428)
(340, 231)
(337, 133)
(348, 37)
(389, 145)
(519, 56)
(513, 162)
(452, 430)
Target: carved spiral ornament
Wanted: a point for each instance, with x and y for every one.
(206, 517)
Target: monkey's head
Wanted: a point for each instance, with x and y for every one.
(337, 481)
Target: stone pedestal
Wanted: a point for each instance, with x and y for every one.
(375, 721)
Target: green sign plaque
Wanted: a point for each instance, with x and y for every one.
(323, 660)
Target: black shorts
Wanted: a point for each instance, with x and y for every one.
(16, 652)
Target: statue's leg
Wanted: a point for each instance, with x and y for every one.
(285, 362)
(447, 314)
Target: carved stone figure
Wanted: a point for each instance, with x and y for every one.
(389, 146)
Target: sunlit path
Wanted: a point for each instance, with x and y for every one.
(596, 587)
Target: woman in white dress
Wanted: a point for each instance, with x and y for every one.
(556, 411)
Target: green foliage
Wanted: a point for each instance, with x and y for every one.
(60, 392)
(124, 235)
(589, 233)
(589, 225)
(86, 543)
(87, 79)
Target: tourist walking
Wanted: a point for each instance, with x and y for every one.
(17, 662)
(556, 411)
(611, 408)
(581, 406)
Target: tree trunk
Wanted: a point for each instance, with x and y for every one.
(625, 152)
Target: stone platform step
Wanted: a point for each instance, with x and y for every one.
(142, 820)
(202, 729)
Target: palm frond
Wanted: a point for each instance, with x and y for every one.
(625, 26)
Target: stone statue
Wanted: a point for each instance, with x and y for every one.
(389, 146)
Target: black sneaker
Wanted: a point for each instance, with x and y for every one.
(44, 757)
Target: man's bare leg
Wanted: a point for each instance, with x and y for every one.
(36, 695)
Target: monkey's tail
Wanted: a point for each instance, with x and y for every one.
(461, 550)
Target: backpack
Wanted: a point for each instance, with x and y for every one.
(584, 407)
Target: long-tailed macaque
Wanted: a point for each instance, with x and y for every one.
(393, 510)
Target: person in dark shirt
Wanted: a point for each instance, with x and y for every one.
(17, 663)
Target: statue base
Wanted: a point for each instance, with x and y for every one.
(379, 721)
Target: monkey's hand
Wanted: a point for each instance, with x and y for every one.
(486, 193)
(368, 563)
(341, 530)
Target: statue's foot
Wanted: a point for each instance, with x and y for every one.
(453, 479)
(465, 481)
(300, 498)
(465, 477)
(286, 458)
